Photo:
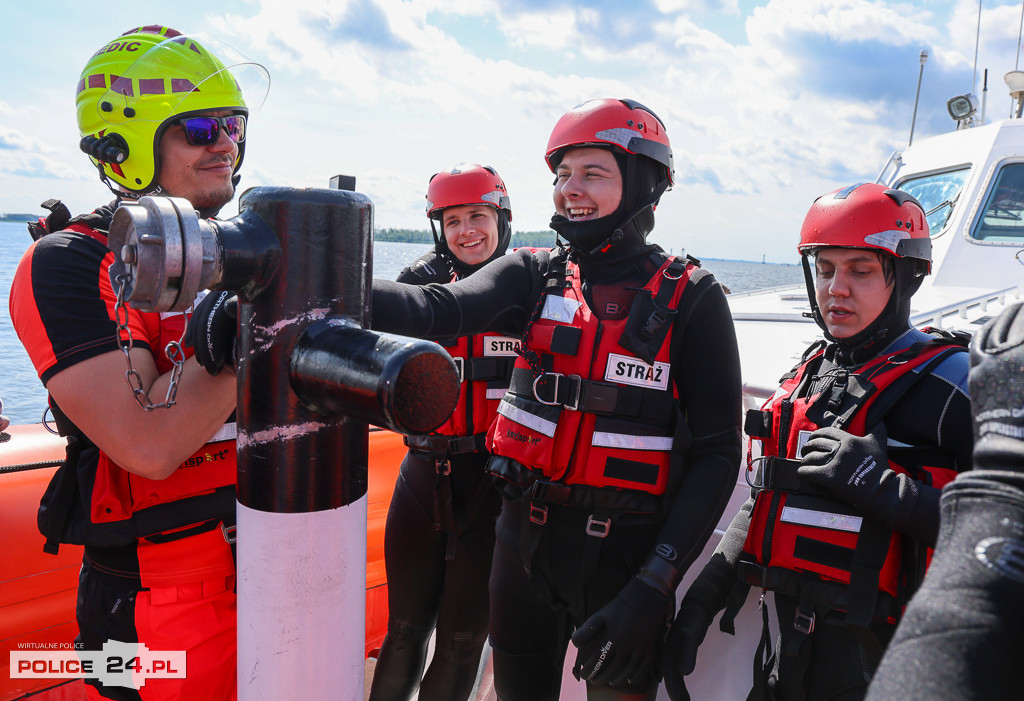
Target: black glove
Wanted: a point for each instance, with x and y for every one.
(853, 468)
(620, 644)
(997, 392)
(688, 632)
(212, 330)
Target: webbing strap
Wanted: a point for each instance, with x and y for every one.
(444, 508)
(868, 560)
(764, 659)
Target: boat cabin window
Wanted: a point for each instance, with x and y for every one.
(1003, 216)
(938, 194)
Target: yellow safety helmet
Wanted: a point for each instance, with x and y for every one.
(135, 86)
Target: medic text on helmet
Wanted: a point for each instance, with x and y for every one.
(119, 46)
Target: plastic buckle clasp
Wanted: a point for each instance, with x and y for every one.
(230, 533)
(443, 467)
(598, 529)
(538, 514)
(803, 622)
(460, 367)
(554, 394)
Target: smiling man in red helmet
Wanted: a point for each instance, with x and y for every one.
(856, 444)
(617, 445)
(148, 486)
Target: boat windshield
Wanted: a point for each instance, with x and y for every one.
(938, 194)
(1003, 217)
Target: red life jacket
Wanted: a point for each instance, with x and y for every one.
(807, 543)
(484, 363)
(597, 414)
(92, 501)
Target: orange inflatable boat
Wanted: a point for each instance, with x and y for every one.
(37, 590)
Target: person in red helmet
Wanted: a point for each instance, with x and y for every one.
(617, 445)
(148, 484)
(440, 529)
(855, 446)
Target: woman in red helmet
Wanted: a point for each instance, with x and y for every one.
(617, 444)
(856, 445)
(440, 529)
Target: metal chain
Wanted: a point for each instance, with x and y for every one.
(173, 351)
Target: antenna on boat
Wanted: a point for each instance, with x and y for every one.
(1015, 78)
(920, 75)
(962, 108)
(984, 96)
(977, 39)
(1020, 30)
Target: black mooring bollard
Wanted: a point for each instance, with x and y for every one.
(300, 261)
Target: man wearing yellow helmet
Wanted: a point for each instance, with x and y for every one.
(147, 487)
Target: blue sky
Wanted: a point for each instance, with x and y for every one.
(768, 104)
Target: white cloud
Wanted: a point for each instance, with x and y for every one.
(766, 108)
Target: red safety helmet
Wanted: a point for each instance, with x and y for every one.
(467, 183)
(625, 124)
(872, 216)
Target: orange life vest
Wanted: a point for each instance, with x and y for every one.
(92, 501)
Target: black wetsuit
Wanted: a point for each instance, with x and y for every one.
(962, 637)
(832, 663)
(532, 617)
(438, 560)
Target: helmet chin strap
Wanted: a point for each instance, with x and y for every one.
(618, 233)
(574, 232)
(891, 321)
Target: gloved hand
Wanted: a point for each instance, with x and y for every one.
(212, 330)
(853, 468)
(4, 421)
(620, 644)
(687, 633)
(997, 392)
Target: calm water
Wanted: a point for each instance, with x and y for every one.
(24, 398)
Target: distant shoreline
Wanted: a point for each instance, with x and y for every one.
(524, 238)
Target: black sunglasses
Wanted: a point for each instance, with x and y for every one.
(203, 131)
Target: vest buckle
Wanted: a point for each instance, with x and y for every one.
(755, 479)
(443, 467)
(230, 533)
(598, 529)
(574, 391)
(460, 367)
(557, 376)
(538, 514)
(573, 400)
(803, 622)
(674, 270)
